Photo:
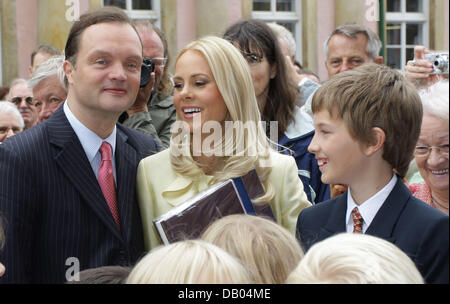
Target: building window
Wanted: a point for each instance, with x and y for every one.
(407, 25)
(284, 12)
(139, 9)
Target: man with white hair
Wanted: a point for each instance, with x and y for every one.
(47, 85)
(22, 96)
(11, 122)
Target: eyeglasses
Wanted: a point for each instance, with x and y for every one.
(159, 61)
(18, 99)
(252, 59)
(424, 151)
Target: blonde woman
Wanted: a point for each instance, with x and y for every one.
(213, 87)
(188, 262)
(268, 251)
(352, 258)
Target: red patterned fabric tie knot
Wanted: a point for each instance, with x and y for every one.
(106, 180)
(357, 221)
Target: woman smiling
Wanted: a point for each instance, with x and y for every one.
(431, 151)
(213, 86)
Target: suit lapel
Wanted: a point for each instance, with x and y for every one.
(73, 162)
(126, 162)
(385, 220)
(336, 221)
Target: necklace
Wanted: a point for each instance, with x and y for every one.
(439, 204)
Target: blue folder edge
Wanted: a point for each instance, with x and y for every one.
(244, 195)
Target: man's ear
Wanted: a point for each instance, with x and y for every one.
(379, 60)
(378, 138)
(68, 70)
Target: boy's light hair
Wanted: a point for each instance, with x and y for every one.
(269, 251)
(372, 96)
(351, 258)
(232, 76)
(188, 262)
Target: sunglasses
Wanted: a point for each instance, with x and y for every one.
(17, 100)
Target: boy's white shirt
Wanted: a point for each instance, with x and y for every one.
(370, 207)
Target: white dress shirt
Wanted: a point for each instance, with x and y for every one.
(369, 208)
(91, 142)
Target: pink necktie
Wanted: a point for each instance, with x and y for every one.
(106, 180)
(357, 221)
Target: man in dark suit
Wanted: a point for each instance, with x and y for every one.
(67, 186)
(367, 124)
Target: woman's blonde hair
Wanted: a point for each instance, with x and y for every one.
(232, 76)
(351, 258)
(268, 251)
(188, 262)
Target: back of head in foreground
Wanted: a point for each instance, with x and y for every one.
(351, 258)
(103, 275)
(268, 250)
(188, 262)
(371, 98)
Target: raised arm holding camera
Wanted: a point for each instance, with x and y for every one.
(426, 68)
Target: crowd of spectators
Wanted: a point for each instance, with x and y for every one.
(102, 139)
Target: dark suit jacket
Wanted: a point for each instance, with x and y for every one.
(421, 231)
(53, 207)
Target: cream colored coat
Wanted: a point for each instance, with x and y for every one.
(160, 189)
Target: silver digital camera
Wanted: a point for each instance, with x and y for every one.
(440, 62)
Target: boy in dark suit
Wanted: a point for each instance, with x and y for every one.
(367, 122)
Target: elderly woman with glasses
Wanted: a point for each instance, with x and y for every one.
(431, 151)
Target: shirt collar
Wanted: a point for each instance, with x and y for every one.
(369, 208)
(90, 141)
